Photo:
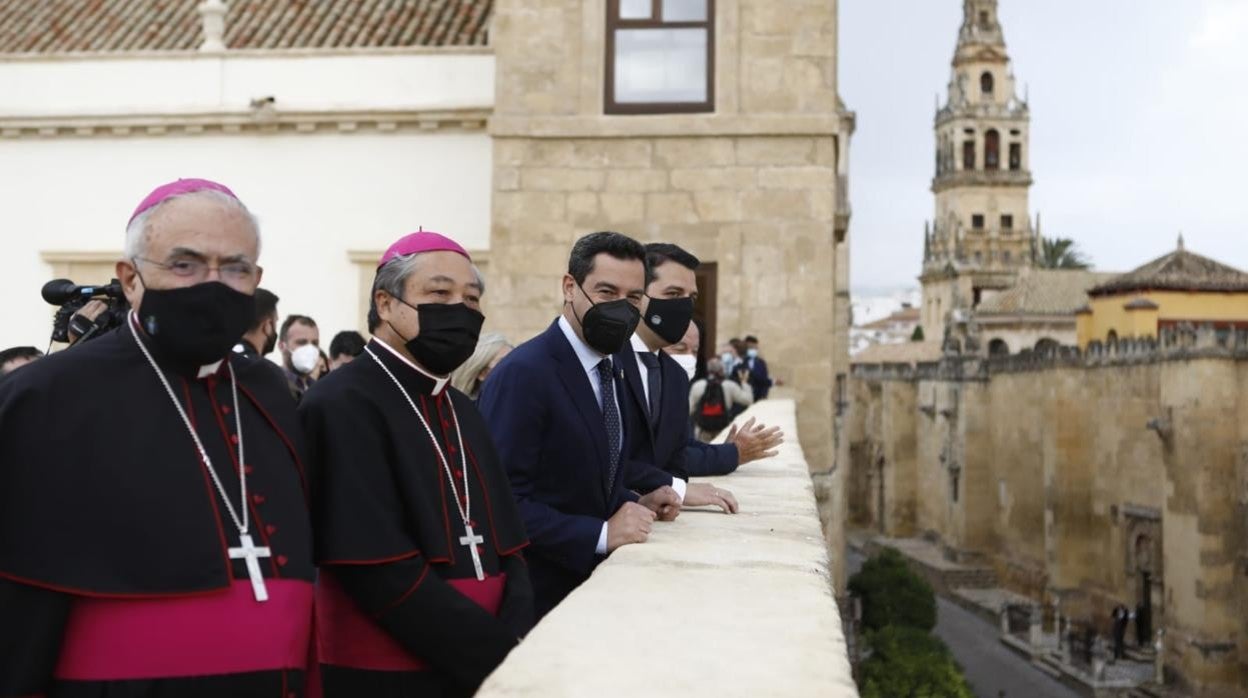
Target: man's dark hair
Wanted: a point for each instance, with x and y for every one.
(266, 307)
(347, 342)
(618, 245)
(751, 339)
(660, 253)
(17, 353)
(291, 320)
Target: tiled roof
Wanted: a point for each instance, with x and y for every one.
(1178, 271)
(56, 26)
(905, 316)
(1044, 292)
(901, 353)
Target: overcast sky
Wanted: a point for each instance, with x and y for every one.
(1139, 125)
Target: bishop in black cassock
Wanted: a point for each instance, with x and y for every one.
(423, 589)
(123, 571)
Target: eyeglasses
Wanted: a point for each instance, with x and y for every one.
(197, 269)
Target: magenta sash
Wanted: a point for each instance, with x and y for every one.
(228, 632)
(348, 637)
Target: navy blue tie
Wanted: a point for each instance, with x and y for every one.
(610, 420)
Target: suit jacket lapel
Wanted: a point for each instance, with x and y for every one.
(627, 360)
(576, 382)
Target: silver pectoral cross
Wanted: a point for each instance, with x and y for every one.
(249, 552)
(472, 540)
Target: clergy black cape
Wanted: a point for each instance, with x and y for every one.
(399, 608)
(114, 573)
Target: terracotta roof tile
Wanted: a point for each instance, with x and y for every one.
(903, 353)
(1178, 271)
(59, 26)
(1044, 292)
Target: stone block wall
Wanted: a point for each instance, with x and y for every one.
(755, 187)
(1079, 473)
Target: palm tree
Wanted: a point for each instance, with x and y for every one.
(1060, 253)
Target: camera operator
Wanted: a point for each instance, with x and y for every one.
(81, 322)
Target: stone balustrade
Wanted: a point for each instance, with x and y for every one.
(712, 605)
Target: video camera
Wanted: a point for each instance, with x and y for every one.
(71, 298)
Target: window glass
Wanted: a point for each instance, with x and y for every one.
(636, 9)
(660, 65)
(684, 10)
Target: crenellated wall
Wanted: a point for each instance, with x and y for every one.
(1074, 474)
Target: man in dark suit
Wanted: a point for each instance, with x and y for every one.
(554, 408)
(658, 387)
(760, 380)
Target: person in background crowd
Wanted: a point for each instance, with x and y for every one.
(424, 588)
(714, 401)
(300, 342)
(344, 347)
(760, 379)
(261, 337)
(750, 442)
(322, 365)
(491, 349)
(728, 355)
(15, 357)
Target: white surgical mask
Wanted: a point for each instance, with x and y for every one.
(728, 358)
(752, 353)
(305, 358)
(689, 362)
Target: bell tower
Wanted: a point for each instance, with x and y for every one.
(981, 235)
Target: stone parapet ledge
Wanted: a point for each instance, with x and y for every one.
(712, 605)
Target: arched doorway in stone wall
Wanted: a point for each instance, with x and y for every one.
(1144, 569)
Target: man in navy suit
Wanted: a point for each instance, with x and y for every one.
(657, 386)
(554, 408)
(760, 380)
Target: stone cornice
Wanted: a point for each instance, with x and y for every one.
(70, 56)
(79, 257)
(669, 125)
(232, 122)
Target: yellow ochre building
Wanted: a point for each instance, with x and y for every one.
(1180, 288)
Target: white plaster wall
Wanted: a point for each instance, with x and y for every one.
(190, 83)
(317, 196)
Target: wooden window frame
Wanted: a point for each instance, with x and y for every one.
(610, 106)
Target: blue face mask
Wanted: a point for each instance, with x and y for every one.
(728, 358)
(751, 353)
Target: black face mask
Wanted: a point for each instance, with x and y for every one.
(269, 344)
(669, 318)
(607, 326)
(196, 325)
(448, 335)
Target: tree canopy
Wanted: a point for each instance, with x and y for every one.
(1061, 253)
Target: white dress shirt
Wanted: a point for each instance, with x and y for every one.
(639, 346)
(590, 358)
